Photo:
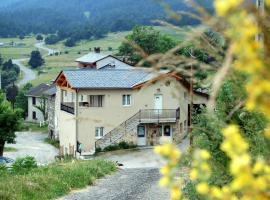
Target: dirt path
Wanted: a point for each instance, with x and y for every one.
(32, 144)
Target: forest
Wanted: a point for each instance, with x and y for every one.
(85, 18)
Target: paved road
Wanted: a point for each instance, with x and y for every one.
(41, 45)
(32, 144)
(28, 74)
(128, 184)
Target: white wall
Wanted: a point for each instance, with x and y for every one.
(32, 108)
(111, 60)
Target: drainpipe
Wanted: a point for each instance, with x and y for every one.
(76, 121)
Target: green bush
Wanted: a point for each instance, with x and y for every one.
(111, 148)
(3, 169)
(120, 145)
(23, 165)
(123, 145)
(53, 142)
(98, 150)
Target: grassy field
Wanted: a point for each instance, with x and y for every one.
(34, 127)
(23, 51)
(54, 64)
(52, 181)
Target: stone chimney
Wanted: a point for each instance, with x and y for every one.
(97, 49)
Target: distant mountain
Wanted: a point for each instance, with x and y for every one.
(20, 17)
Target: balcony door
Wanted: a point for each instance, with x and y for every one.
(158, 104)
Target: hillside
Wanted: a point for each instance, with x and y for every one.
(21, 17)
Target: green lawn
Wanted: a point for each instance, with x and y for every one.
(34, 127)
(52, 181)
(10, 52)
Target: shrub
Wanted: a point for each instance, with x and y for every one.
(112, 148)
(98, 149)
(66, 52)
(3, 169)
(120, 145)
(23, 165)
(123, 145)
(53, 142)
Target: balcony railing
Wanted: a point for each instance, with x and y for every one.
(156, 116)
(68, 107)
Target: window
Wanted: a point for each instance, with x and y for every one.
(34, 100)
(167, 130)
(99, 132)
(34, 115)
(126, 100)
(81, 98)
(65, 93)
(96, 100)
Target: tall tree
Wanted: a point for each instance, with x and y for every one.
(150, 40)
(21, 100)
(39, 37)
(36, 59)
(12, 92)
(10, 121)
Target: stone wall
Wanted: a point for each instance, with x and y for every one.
(51, 118)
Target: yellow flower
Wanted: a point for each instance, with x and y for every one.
(202, 188)
(258, 167)
(239, 163)
(205, 155)
(194, 174)
(164, 182)
(223, 6)
(216, 192)
(175, 193)
(267, 2)
(165, 170)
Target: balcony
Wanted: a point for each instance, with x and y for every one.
(159, 116)
(68, 107)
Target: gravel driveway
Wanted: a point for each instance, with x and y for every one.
(32, 144)
(127, 184)
(138, 178)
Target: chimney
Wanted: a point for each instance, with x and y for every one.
(97, 49)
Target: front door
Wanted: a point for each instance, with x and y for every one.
(158, 102)
(166, 136)
(141, 136)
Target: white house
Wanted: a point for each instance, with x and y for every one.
(101, 61)
(35, 99)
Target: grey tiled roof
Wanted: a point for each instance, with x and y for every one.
(50, 91)
(91, 57)
(103, 79)
(38, 91)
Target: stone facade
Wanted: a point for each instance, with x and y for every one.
(51, 117)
